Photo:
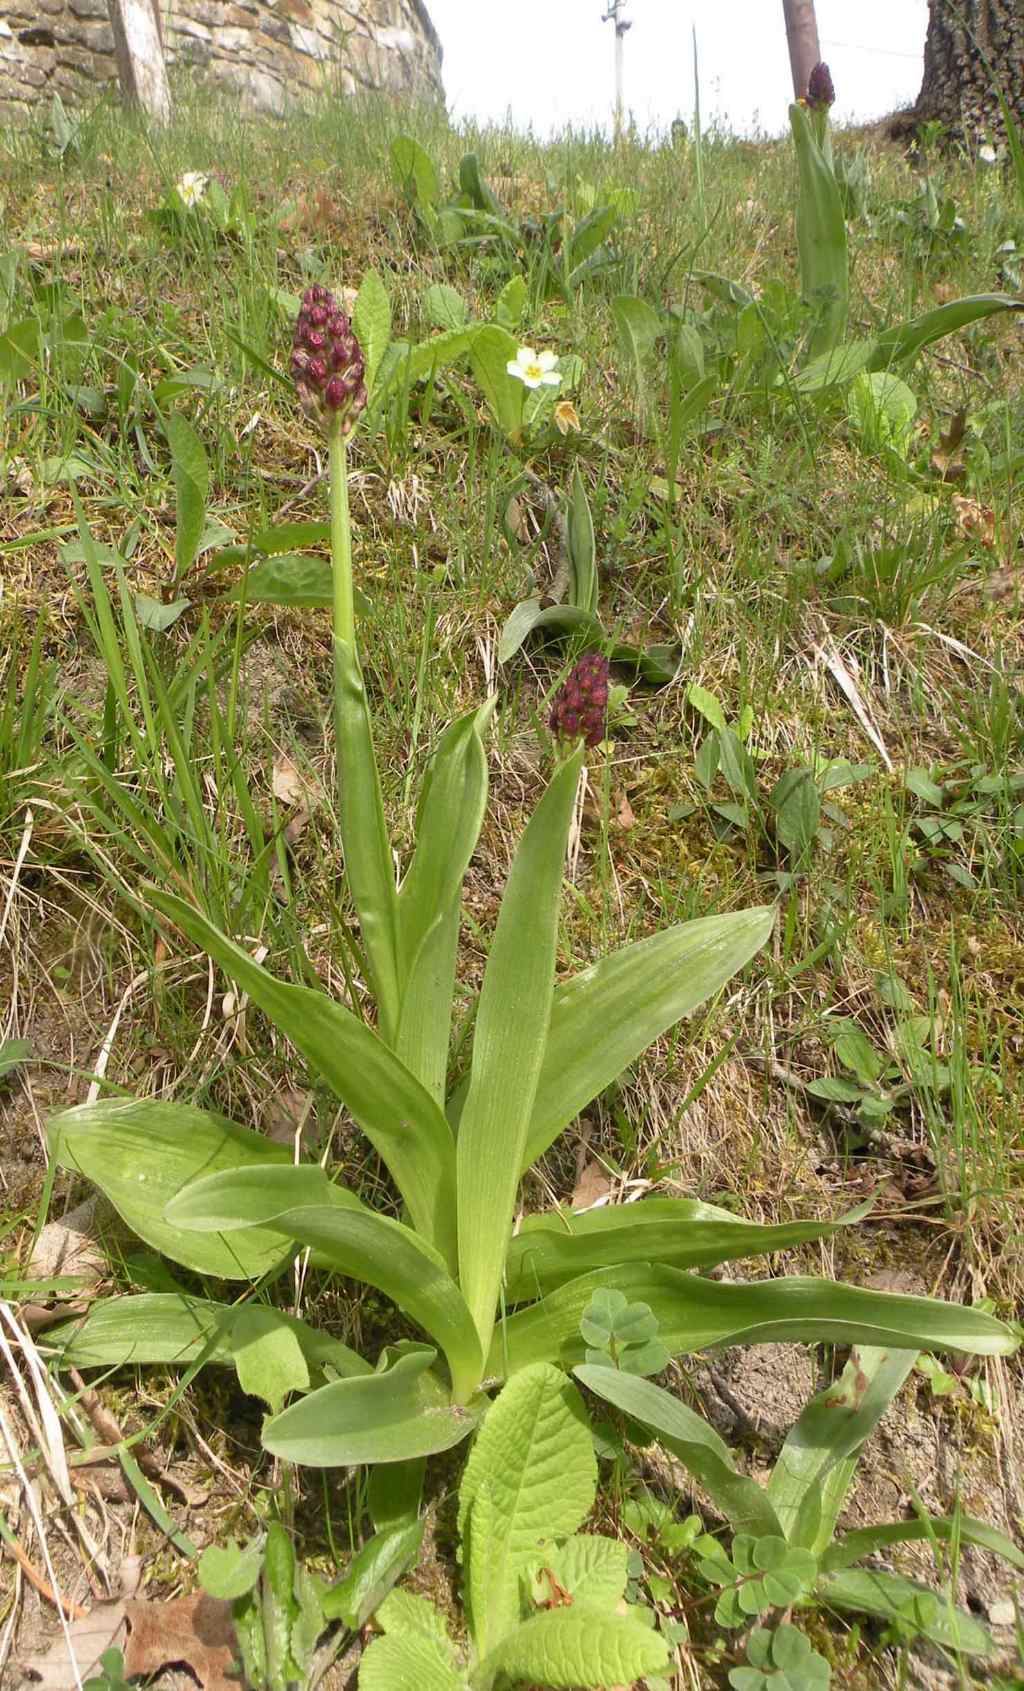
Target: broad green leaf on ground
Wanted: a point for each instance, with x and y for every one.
(142, 1152)
(394, 1111)
(415, 171)
(694, 1312)
(607, 1015)
(689, 1437)
(371, 1575)
(592, 1569)
(890, 1597)
(401, 1412)
(491, 349)
(556, 1246)
(401, 1661)
(905, 340)
(13, 1052)
(582, 1645)
(267, 1355)
(351, 1238)
(169, 1327)
(508, 1045)
(291, 578)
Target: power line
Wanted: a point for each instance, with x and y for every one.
(884, 52)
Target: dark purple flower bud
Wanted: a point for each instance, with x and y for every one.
(820, 91)
(330, 382)
(581, 703)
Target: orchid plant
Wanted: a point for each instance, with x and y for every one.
(493, 1291)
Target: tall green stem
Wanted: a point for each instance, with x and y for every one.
(341, 537)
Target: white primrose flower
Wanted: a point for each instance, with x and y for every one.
(192, 187)
(535, 369)
(987, 154)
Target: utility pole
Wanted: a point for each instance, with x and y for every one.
(802, 37)
(616, 13)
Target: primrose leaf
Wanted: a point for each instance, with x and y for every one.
(371, 320)
(229, 1571)
(268, 1356)
(192, 485)
(581, 1645)
(400, 1660)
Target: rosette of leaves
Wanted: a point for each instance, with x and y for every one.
(543, 1602)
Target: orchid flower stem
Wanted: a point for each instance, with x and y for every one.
(341, 537)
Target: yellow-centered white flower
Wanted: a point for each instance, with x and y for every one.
(535, 369)
(192, 187)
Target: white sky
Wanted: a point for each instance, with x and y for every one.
(550, 62)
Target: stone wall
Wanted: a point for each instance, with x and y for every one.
(269, 51)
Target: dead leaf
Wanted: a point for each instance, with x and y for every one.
(944, 459)
(975, 522)
(593, 1186)
(297, 826)
(624, 812)
(286, 782)
(103, 1628)
(196, 1630)
(567, 417)
(72, 1246)
(289, 1112)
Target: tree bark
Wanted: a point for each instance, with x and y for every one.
(802, 40)
(138, 43)
(959, 89)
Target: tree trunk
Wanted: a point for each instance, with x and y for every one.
(138, 43)
(959, 87)
(802, 39)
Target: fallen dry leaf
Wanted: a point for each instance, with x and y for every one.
(592, 1186)
(196, 1630)
(103, 1628)
(944, 459)
(286, 782)
(72, 1246)
(624, 812)
(975, 522)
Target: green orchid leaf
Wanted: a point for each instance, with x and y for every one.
(352, 1239)
(290, 578)
(415, 172)
(508, 1046)
(394, 1111)
(192, 485)
(582, 1645)
(451, 813)
(607, 1015)
(905, 340)
(866, 1541)
(171, 1328)
(689, 1437)
(141, 1152)
(582, 550)
(531, 1477)
(821, 237)
(816, 1464)
(556, 1246)
(562, 621)
(371, 1575)
(910, 1607)
(403, 1412)
(694, 1312)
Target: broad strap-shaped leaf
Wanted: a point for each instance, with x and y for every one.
(820, 236)
(582, 1645)
(689, 1437)
(394, 1111)
(372, 1573)
(816, 1464)
(604, 1017)
(140, 1152)
(451, 812)
(171, 1328)
(890, 1597)
(508, 1046)
(694, 1312)
(534, 1459)
(866, 1541)
(368, 866)
(582, 550)
(191, 485)
(402, 1412)
(557, 1246)
(354, 1239)
(905, 340)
